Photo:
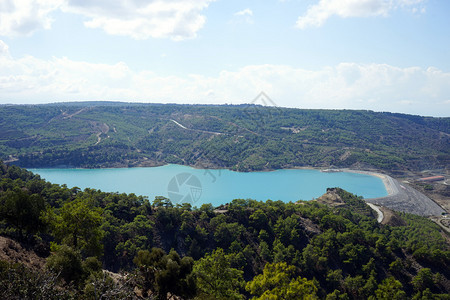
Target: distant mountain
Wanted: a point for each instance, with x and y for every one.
(244, 137)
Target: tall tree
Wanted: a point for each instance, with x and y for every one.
(163, 273)
(278, 281)
(77, 224)
(390, 289)
(216, 277)
(22, 210)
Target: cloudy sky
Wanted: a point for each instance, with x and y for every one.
(382, 55)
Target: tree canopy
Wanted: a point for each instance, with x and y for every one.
(246, 249)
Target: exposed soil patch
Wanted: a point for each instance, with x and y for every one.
(391, 218)
(13, 252)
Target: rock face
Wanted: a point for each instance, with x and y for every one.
(331, 198)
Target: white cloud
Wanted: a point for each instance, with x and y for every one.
(243, 16)
(175, 19)
(244, 12)
(317, 14)
(377, 87)
(4, 49)
(23, 17)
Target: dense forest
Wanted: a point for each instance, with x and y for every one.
(240, 137)
(242, 250)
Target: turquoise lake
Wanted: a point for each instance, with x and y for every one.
(197, 186)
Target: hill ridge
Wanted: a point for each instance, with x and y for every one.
(253, 137)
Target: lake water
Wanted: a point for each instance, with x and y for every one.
(197, 186)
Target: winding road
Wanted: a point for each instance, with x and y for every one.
(380, 216)
(198, 130)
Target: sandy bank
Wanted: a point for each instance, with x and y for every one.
(388, 181)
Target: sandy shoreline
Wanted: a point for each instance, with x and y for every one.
(401, 198)
(390, 186)
(404, 198)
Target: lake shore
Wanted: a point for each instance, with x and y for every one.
(388, 181)
(218, 186)
(398, 197)
(404, 198)
(401, 197)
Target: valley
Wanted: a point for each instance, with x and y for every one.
(134, 247)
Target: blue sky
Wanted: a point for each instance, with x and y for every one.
(382, 55)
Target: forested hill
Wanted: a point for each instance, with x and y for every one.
(244, 137)
(244, 250)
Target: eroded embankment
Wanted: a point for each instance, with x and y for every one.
(404, 198)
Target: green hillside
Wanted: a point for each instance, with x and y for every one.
(244, 137)
(247, 249)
